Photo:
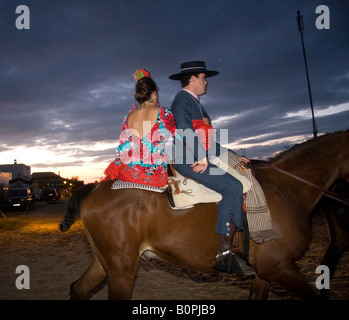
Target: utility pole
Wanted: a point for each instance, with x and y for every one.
(301, 28)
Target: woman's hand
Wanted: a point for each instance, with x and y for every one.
(200, 166)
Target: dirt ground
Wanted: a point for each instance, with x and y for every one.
(56, 259)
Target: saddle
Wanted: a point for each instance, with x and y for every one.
(183, 193)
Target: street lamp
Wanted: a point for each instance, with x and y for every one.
(301, 28)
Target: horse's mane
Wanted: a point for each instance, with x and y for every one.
(309, 143)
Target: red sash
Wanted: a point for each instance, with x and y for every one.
(205, 133)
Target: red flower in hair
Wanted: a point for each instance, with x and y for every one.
(139, 74)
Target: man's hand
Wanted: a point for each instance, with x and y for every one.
(200, 166)
(244, 160)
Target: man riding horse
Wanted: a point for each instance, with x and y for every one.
(192, 119)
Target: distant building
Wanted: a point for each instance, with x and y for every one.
(18, 170)
(20, 174)
(46, 180)
(42, 181)
(5, 178)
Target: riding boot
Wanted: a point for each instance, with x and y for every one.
(229, 261)
(224, 249)
(237, 244)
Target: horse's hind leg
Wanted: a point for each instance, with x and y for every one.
(94, 276)
(337, 219)
(289, 277)
(121, 277)
(331, 259)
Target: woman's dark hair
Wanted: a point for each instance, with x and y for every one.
(144, 89)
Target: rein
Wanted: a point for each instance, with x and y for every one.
(327, 192)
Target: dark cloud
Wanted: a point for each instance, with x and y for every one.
(68, 79)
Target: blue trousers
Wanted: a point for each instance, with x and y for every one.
(230, 207)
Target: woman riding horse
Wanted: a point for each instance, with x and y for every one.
(140, 156)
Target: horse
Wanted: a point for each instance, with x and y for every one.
(336, 214)
(121, 225)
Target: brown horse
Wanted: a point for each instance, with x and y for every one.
(121, 224)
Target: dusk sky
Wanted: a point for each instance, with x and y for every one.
(67, 81)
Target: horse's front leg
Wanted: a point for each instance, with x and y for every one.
(94, 276)
(259, 289)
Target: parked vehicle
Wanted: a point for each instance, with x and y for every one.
(37, 194)
(20, 198)
(51, 194)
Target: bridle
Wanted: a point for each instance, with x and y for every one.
(327, 192)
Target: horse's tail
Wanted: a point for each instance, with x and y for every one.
(74, 202)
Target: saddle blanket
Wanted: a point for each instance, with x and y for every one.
(257, 210)
(119, 184)
(184, 193)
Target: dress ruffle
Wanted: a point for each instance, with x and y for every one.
(112, 171)
(136, 174)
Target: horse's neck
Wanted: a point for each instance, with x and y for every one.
(313, 161)
(319, 161)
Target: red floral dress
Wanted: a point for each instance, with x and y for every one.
(143, 160)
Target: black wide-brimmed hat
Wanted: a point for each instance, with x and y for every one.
(193, 67)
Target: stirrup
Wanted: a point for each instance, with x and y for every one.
(234, 264)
